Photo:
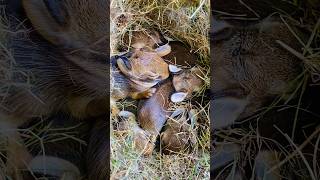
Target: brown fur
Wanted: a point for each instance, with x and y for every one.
(146, 41)
(146, 70)
(152, 113)
(189, 81)
(181, 55)
(178, 135)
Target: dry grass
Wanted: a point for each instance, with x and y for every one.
(173, 18)
(185, 21)
(9, 72)
(128, 163)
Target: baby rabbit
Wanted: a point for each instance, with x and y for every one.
(249, 67)
(179, 134)
(134, 74)
(150, 40)
(152, 115)
(186, 82)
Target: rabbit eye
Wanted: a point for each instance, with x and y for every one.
(243, 51)
(186, 78)
(183, 90)
(239, 51)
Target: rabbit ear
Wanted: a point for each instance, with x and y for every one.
(53, 166)
(174, 69)
(50, 18)
(178, 97)
(127, 115)
(220, 30)
(226, 110)
(163, 50)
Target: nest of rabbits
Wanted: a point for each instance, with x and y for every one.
(184, 21)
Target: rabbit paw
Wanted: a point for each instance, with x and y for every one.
(148, 93)
(145, 94)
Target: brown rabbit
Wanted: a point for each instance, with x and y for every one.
(152, 115)
(249, 66)
(56, 61)
(150, 40)
(179, 135)
(137, 39)
(133, 75)
(186, 83)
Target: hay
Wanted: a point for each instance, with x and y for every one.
(172, 18)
